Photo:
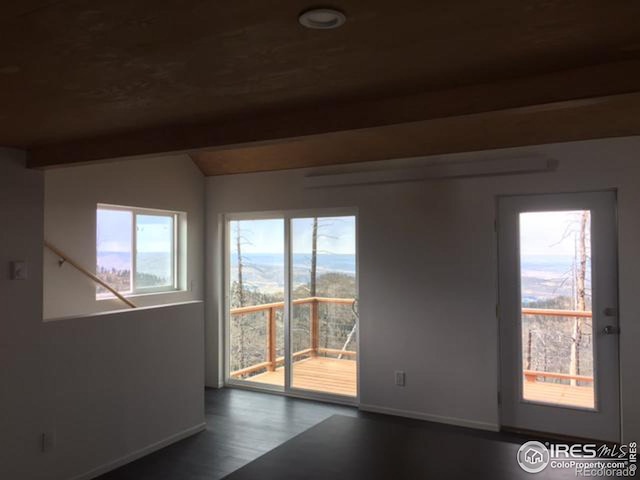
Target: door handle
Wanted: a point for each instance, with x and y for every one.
(611, 330)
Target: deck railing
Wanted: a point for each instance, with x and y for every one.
(534, 375)
(273, 361)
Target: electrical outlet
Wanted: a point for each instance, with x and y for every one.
(47, 442)
(400, 378)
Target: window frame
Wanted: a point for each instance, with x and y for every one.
(174, 286)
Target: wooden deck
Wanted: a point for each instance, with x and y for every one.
(559, 394)
(339, 377)
(319, 374)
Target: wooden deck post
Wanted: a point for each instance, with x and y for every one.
(529, 352)
(271, 339)
(315, 327)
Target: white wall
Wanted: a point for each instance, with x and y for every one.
(106, 386)
(428, 274)
(23, 413)
(71, 195)
(122, 382)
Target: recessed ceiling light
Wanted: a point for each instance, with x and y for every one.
(322, 18)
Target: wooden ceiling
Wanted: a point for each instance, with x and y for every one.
(613, 117)
(239, 84)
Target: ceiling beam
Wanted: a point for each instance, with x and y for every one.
(613, 116)
(566, 88)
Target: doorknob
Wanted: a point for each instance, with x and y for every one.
(611, 330)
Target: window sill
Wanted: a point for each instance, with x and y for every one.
(108, 296)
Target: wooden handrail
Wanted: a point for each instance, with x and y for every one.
(531, 376)
(338, 301)
(256, 308)
(86, 272)
(299, 301)
(552, 312)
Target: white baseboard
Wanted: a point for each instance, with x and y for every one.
(107, 467)
(460, 422)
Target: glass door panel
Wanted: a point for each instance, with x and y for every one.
(324, 305)
(557, 331)
(256, 293)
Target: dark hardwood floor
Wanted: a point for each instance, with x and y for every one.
(382, 448)
(241, 426)
(244, 425)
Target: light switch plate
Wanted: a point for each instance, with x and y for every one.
(18, 270)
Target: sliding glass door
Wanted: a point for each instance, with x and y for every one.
(292, 318)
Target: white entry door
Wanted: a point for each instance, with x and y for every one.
(558, 314)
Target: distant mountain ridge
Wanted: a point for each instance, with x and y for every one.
(344, 263)
(548, 276)
(151, 263)
(543, 276)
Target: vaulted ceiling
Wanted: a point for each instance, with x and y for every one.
(243, 87)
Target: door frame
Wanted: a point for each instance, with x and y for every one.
(549, 202)
(286, 216)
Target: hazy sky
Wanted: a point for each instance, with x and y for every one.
(541, 233)
(335, 235)
(155, 233)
